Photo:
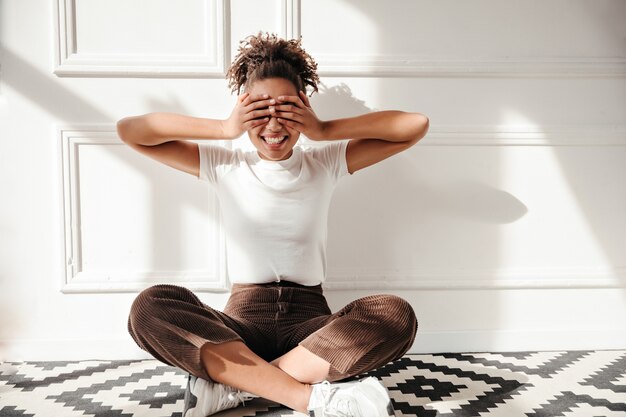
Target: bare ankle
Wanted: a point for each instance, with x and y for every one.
(305, 397)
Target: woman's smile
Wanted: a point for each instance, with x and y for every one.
(274, 139)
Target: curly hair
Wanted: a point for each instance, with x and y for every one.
(265, 56)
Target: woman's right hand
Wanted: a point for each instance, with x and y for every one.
(250, 111)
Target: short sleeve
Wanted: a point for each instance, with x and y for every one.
(333, 158)
(214, 162)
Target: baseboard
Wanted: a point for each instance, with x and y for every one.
(70, 349)
(518, 340)
(425, 342)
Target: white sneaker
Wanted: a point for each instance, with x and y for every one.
(364, 398)
(203, 398)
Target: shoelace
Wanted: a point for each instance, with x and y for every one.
(227, 396)
(338, 407)
(239, 397)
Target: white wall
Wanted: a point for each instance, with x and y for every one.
(504, 227)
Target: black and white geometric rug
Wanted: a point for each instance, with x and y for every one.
(529, 384)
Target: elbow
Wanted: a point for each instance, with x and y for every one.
(122, 128)
(132, 129)
(419, 127)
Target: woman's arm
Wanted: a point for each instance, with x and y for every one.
(156, 128)
(377, 136)
(389, 125)
(157, 135)
(373, 136)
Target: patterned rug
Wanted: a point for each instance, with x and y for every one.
(532, 384)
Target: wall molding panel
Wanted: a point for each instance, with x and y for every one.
(475, 279)
(69, 62)
(74, 279)
(290, 19)
(412, 66)
(508, 278)
(526, 135)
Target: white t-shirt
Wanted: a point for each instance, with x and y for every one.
(275, 213)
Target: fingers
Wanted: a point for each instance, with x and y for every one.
(287, 108)
(304, 98)
(255, 107)
(242, 97)
(255, 122)
(256, 114)
(292, 99)
(266, 108)
(260, 104)
(291, 123)
(249, 99)
(263, 100)
(289, 116)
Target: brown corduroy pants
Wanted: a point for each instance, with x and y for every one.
(172, 324)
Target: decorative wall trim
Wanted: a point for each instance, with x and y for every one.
(512, 278)
(70, 63)
(525, 135)
(478, 279)
(413, 66)
(290, 19)
(70, 139)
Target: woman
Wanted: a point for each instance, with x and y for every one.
(276, 338)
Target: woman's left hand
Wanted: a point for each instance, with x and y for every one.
(296, 113)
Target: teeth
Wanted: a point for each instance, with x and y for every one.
(274, 141)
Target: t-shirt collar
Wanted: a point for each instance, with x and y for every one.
(284, 164)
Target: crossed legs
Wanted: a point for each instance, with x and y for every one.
(285, 380)
(173, 325)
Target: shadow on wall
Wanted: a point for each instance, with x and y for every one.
(457, 212)
(381, 208)
(337, 102)
(47, 92)
(418, 223)
(594, 176)
(462, 198)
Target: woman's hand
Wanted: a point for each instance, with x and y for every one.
(296, 112)
(249, 112)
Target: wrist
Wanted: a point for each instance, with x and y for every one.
(327, 130)
(322, 131)
(227, 132)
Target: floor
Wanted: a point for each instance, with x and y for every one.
(532, 384)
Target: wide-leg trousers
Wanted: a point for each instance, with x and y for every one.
(172, 324)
